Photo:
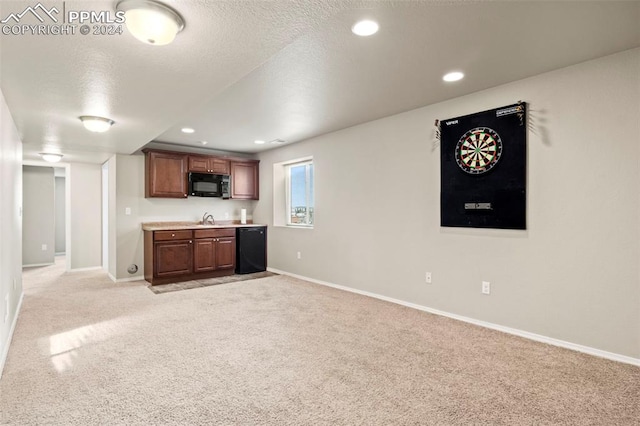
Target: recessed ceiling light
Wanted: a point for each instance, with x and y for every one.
(259, 142)
(51, 157)
(204, 142)
(453, 76)
(187, 130)
(365, 28)
(151, 22)
(96, 124)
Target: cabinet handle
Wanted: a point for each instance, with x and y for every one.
(173, 235)
(190, 242)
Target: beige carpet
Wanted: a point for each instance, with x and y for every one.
(279, 351)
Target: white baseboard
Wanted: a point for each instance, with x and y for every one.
(91, 268)
(521, 333)
(5, 351)
(126, 280)
(34, 265)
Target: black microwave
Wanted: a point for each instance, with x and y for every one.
(207, 185)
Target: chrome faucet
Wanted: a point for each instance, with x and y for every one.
(208, 218)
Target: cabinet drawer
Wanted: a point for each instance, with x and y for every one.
(184, 234)
(214, 233)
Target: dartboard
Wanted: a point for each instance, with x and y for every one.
(478, 150)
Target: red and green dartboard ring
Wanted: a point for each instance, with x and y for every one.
(478, 150)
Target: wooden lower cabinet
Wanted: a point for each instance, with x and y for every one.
(174, 256)
(226, 253)
(204, 255)
(210, 254)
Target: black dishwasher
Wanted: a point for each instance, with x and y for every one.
(251, 249)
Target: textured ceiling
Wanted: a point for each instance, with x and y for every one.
(246, 70)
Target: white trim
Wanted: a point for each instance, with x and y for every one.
(5, 352)
(514, 331)
(126, 280)
(90, 268)
(33, 265)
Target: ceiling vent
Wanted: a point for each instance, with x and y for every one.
(277, 142)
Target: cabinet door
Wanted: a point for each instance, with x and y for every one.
(173, 258)
(244, 180)
(166, 175)
(220, 166)
(199, 164)
(226, 253)
(204, 255)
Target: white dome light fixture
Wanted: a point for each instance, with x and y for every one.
(96, 124)
(453, 76)
(259, 142)
(187, 130)
(151, 22)
(51, 157)
(365, 28)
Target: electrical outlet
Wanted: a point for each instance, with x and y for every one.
(44, 247)
(486, 287)
(427, 277)
(127, 211)
(299, 255)
(226, 215)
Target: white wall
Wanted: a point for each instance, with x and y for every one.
(130, 193)
(85, 245)
(10, 227)
(573, 275)
(39, 214)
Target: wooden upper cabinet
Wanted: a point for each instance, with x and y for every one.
(244, 180)
(203, 164)
(198, 164)
(166, 175)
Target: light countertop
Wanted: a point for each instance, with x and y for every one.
(169, 226)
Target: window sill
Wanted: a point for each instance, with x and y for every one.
(294, 226)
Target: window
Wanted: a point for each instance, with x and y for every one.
(299, 187)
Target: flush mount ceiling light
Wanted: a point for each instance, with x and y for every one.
(204, 142)
(151, 22)
(453, 76)
(96, 124)
(187, 130)
(259, 142)
(365, 28)
(51, 157)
